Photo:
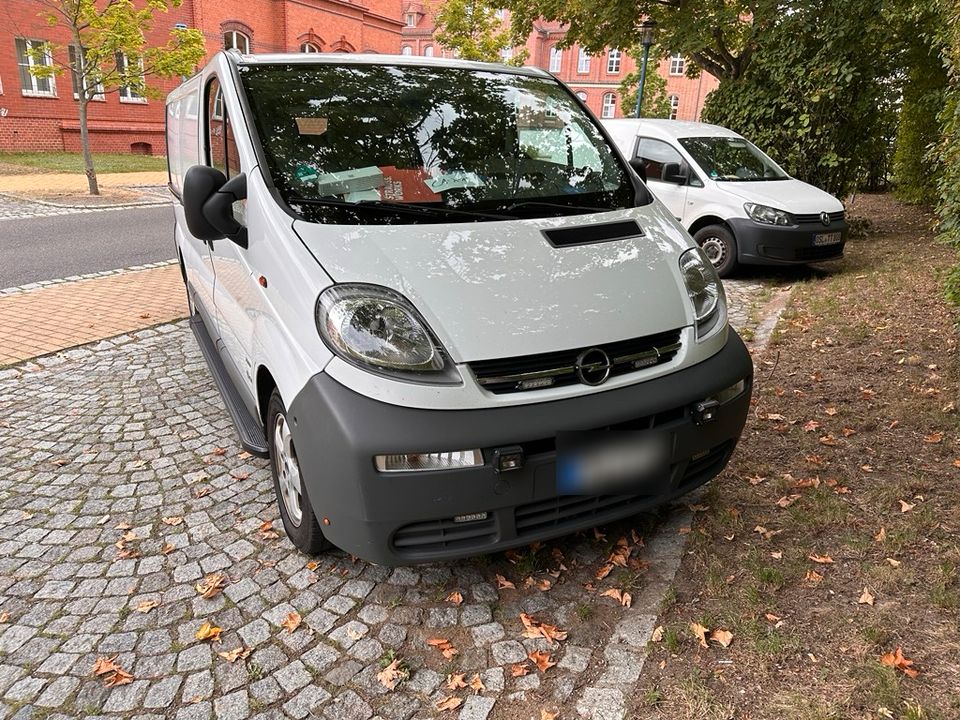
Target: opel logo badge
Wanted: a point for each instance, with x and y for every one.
(825, 218)
(593, 366)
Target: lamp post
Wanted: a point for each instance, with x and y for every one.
(648, 33)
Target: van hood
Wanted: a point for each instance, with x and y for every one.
(791, 195)
(500, 289)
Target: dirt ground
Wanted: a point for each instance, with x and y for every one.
(829, 548)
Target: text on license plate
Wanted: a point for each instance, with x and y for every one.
(827, 238)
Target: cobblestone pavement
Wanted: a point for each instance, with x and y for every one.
(122, 488)
(16, 209)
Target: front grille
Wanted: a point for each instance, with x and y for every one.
(507, 375)
(807, 254)
(815, 217)
(538, 517)
(439, 535)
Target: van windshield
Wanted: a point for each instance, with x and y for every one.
(360, 143)
(732, 159)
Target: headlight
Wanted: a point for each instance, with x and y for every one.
(705, 291)
(768, 215)
(377, 329)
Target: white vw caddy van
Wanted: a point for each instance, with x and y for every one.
(736, 202)
(441, 303)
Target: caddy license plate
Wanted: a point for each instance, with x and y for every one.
(827, 238)
(592, 463)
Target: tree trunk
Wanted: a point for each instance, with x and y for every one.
(85, 146)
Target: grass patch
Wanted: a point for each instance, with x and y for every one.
(64, 162)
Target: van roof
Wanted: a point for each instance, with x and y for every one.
(670, 128)
(377, 59)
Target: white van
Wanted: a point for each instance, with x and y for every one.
(736, 202)
(442, 304)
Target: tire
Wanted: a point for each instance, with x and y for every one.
(299, 521)
(720, 246)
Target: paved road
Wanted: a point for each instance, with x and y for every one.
(74, 243)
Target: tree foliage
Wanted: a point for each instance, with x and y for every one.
(111, 52)
(948, 149)
(472, 28)
(656, 103)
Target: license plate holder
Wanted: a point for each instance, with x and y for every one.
(609, 462)
(832, 238)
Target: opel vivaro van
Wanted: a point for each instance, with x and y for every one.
(442, 304)
(736, 202)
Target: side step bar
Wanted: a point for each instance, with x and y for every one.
(251, 434)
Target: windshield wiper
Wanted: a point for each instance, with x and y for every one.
(388, 206)
(562, 206)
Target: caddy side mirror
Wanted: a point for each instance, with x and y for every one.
(673, 173)
(208, 199)
(641, 169)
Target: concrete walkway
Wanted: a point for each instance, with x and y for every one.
(50, 183)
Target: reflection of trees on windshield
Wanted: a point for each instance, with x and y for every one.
(445, 137)
(727, 158)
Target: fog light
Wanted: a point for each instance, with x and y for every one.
(731, 392)
(425, 462)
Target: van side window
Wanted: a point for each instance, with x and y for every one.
(221, 143)
(655, 154)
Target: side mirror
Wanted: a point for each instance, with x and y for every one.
(673, 173)
(208, 199)
(641, 169)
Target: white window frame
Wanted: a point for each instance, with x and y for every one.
(608, 107)
(678, 64)
(582, 95)
(614, 61)
(428, 51)
(308, 47)
(233, 35)
(506, 54)
(76, 81)
(674, 106)
(29, 61)
(583, 62)
(411, 19)
(406, 50)
(556, 59)
(127, 94)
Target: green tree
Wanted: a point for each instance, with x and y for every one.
(656, 103)
(473, 28)
(948, 148)
(108, 51)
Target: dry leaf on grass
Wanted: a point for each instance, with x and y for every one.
(208, 631)
(724, 637)
(865, 597)
(657, 634)
(549, 714)
(934, 438)
(448, 703)
(893, 563)
(392, 674)
(292, 621)
(211, 585)
(236, 654)
(504, 584)
(906, 507)
(700, 632)
(542, 660)
(455, 597)
(147, 605)
(822, 559)
(812, 577)
(787, 500)
(881, 535)
(898, 661)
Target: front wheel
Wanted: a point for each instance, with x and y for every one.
(719, 246)
(297, 515)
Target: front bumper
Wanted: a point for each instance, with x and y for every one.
(402, 518)
(759, 244)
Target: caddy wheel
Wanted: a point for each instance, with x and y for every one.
(720, 247)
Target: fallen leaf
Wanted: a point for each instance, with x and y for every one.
(604, 571)
(906, 507)
(4, 617)
(243, 455)
(444, 646)
(201, 491)
(208, 631)
(477, 684)
(627, 600)
(542, 660)
(455, 597)
(724, 637)
(167, 548)
(657, 634)
(448, 703)
(847, 432)
(771, 617)
(813, 577)
(767, 534)
(236, 654)
(504, 584)
(391, 674)
(519, 670)
(104, 665)
(866, 598)
(700, 632)
(240, 475)
(831, 411)
(292, 621)
(548, 715)
(755, 479)
(173, 520)
(312, 565)
(898, 661)
(147, 605)
(881, 535)
(118, 677)
(266, 530)
(211, 585)
(822, 559)
(787, 500)
(893, 563)
(811, 426)
(828, 440)
(934, 438)
(456, 681)
(536, 629)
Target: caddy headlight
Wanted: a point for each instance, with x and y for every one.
(768, 215)
(378, 329)
(704, 290)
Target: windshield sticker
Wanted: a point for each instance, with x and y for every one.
(442, 182)
(349, 181)
(311, 125)
(407, 185)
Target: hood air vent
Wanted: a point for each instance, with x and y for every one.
(590, 234)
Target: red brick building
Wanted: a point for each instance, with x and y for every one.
(595, 78)
(38, 114)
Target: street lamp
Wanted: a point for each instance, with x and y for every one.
(648, 32)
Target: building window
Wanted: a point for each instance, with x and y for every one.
(128, 69)
(556, 57)
(609, 105)
(674, 106)
(309, 47)
(500, 14)
(583, 62)
(677, 64)
(35, 53)
(506, 53)
(236, 40)
(613, 61)
(76, 79)
(582, 96)
(428, 51)
(406, 50)
(411, 19)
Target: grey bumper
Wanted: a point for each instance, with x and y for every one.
(402, 518)
(759, 244)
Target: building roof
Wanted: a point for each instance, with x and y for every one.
(671, 128)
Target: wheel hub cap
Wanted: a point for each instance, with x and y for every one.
(715, 250)
(288, 471)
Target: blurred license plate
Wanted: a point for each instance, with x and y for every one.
(600, 462)
(827, 238)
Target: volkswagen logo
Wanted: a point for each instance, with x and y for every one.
(825, 218)
(593, 366)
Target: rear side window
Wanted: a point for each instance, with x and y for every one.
(655, 154)
(220, 141)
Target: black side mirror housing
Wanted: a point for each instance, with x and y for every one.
(640, 168)
(208, 199)
(673, 173)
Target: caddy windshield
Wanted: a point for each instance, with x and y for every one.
(732, 159)
(357, 143)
